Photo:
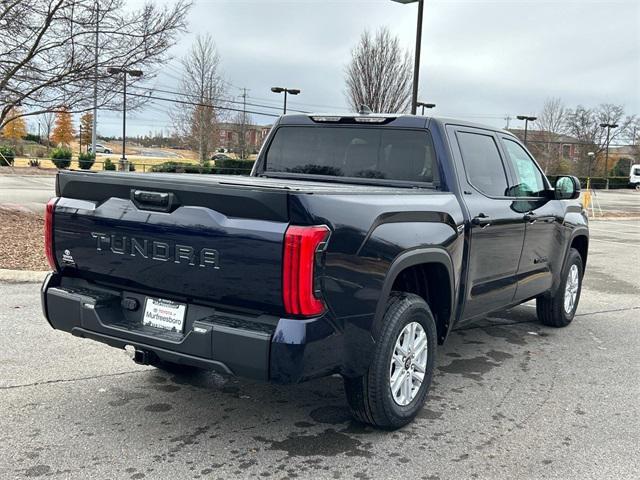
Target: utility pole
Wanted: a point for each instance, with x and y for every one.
(95, 84)
(507, 119)
(80, 138)
(243, 125)
(608, 126)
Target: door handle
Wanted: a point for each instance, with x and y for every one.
(481, 220)
(530, 217)
(155, 201)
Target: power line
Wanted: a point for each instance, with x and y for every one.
(222, 99)
(199, 104)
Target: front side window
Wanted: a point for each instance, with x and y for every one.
(529, 180)
(357, 152)
(482, 163)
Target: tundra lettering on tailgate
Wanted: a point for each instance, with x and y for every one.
(156, 250)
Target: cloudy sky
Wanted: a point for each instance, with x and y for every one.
(481, 60)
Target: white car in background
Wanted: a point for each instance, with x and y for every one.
(634, 176)
(101, 149)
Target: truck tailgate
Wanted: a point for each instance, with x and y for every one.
(186, 238)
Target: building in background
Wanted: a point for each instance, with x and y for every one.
(229, 136)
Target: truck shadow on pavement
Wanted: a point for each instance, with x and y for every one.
(204, 412)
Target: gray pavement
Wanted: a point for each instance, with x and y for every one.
(511, 399)
(26, 192)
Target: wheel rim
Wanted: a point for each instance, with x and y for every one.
(408, 363)
(571, 289)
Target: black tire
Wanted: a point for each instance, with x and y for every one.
(550, 308)
(370, 398)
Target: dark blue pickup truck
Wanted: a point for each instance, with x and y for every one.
(354, 247)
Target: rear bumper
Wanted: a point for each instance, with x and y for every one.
(258, 347)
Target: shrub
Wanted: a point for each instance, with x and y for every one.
(232, 166)
(34, 163)
(132, 167)
(181, 167)
(86, 160)
(7, 155)
(108, 165)
(597, 182)
(61, 157)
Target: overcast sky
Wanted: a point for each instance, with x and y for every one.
(481, 60)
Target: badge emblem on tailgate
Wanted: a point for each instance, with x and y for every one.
(156, 250)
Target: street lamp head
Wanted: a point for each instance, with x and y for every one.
(135, 73)
(526, 117)
(114, 70)
(293, 91)
(405, 1)
(277, 89)
(425, 105)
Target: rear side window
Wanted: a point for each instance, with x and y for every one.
(369, 152)
(482, 163)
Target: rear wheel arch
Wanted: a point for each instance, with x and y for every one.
(427, 273)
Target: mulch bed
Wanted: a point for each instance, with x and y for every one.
(21, 241)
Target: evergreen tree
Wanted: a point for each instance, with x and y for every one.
(63, 130)
(86, 127)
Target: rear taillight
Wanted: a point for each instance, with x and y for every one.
(48, 233)
(301, 247)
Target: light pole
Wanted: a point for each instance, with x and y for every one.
(526, 119)
(608, 126)
(290, 91)
(425, 105)
(416, 60)
(125, 72)
(591, 156)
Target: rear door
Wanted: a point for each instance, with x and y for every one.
(496, 229)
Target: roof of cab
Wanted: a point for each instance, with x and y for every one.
(400, 120)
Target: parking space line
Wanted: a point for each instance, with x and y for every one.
(611, 241)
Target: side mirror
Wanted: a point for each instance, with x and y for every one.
(567, 188)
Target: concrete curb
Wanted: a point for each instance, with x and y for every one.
(21, 276)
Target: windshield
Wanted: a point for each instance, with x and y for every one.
(356, 152)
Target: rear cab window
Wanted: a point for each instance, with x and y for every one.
(372, 153)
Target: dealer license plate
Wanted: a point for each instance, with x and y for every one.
(164, 314)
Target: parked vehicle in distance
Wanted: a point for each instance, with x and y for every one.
(355, 246)
(100, 148)
(634, 176)
(220, 156)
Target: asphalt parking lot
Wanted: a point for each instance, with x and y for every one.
(511, 399)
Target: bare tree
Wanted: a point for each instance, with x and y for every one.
(243, 123)
(584, 124)
(46, 121)
(551, 123)
(47, 49)
(380, 74)
(203, 85)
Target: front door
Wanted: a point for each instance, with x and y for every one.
(543, 242)
(496, 229)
